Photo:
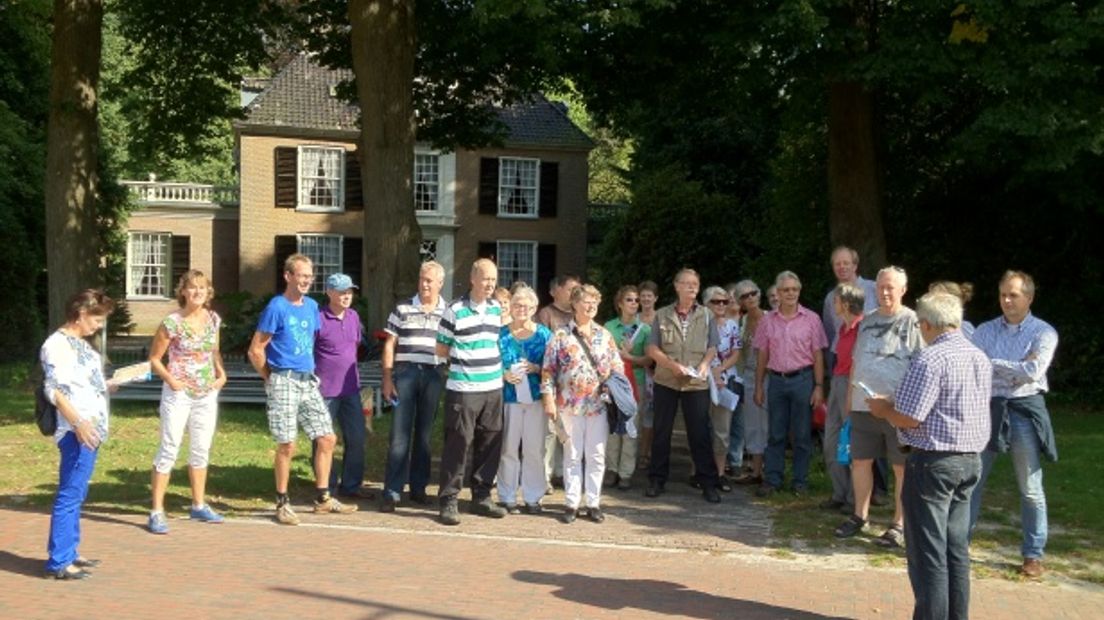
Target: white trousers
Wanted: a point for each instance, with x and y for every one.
(586, 438)
(523, 428)
(179, 412)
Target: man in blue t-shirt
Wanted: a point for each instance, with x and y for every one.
(282, 351)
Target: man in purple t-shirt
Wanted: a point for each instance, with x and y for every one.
(335, 363)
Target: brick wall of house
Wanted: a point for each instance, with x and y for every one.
(261, 221)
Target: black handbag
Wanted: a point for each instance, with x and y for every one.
(45, 411)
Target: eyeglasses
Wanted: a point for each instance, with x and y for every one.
(719, 302)
(749, 294)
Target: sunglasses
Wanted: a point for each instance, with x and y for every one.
(631, 300)
(749, 294)
(719, 302)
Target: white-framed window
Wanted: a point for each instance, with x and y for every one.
(321, 178)
(517, 260)
(427, 181)
(428, 250)
(148, 264)
(518, 187)
(325, 251)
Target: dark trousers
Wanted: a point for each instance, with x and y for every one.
(936, 498)
(472, 419)
(695, 409)
(408, 458)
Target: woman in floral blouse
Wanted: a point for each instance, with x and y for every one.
(74, 383)
(571, 385)
(189, 396)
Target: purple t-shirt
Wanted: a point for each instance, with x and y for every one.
(335, 353)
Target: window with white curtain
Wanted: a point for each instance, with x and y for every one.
(518, 183)
(427, 175)
(517, 260)
(148, 264)
(325, 251)
(321, 178)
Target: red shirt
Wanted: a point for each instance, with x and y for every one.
(844, 345)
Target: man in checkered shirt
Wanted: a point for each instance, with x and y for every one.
(941, 411)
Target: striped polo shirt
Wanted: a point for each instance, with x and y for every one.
(416, 331)
(471, 333)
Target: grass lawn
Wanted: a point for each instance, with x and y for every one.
(240, 480)
(1075, 509)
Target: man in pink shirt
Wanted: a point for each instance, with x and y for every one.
(790, 341)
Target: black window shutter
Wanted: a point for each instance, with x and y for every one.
(287, 177)
(286, 245)
(487, 249)
(549, 188)
(181, 260)
(352, 256)
(488, 186)
(546, 270)
(354, 191)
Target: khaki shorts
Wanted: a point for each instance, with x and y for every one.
(872, 438)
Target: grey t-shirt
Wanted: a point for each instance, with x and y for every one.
(828, 314)
(883, 349)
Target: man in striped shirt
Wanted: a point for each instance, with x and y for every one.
(412, 380)
(941, 412)
(468, 338)
(1020, 347)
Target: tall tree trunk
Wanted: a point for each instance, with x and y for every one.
(72, 249)
(854, 176)
(383, 62)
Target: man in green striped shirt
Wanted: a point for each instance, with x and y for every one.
(468, 337)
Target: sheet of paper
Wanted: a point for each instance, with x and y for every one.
(722, 396)
(524, 394)
(131, 374)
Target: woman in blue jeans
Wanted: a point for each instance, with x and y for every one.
(74, 383)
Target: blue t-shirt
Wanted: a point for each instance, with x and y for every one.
(513, 349)
(292, 328)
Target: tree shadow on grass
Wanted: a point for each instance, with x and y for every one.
(662, 597)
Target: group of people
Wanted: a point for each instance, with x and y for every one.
(526, 394)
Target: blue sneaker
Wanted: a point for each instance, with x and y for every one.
(158, 524)
(205, 514)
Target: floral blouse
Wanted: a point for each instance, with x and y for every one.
(569, 375)
(73, 367)
(192, 354)
(729, 343)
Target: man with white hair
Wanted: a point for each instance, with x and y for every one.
(845, 266)
(941, 411)
(888, 339)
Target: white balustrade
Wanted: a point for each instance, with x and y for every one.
(199, 194)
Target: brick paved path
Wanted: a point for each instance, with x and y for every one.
(667, 559)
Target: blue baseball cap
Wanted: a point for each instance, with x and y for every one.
(339, 282)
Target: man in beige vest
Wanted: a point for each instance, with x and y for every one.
(683, 343)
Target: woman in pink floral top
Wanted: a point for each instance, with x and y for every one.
(189, 396)
(571, 385)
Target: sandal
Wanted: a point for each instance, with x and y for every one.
(723, 485)
(853, 525)
(893, 538)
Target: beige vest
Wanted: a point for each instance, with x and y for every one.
(687, 351)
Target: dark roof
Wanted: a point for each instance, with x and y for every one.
(303, 95)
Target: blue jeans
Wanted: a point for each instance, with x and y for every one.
(74, 472)
(1029, 477)
(348, 417)
(936, 500)
(408, 459)
(790, 413)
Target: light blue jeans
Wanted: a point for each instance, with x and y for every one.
(1029, 477)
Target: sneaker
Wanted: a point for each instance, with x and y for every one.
(893, 538)
(205, 514)
(450, 515)
(853, 525)
(596, 515)
(286, 516)
(513, 509)
(569, 515)
(387, 504)
(534, 509)
(486, 508)
(330, 504)
(1032, 568)
(158, 524)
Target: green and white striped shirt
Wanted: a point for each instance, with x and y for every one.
(471, 333)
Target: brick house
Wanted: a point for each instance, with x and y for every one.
(523, 204)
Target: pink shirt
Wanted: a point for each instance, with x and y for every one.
(790, 343)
